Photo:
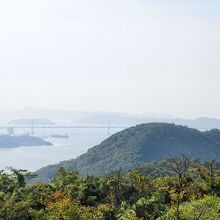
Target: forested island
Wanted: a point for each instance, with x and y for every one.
(9, 141)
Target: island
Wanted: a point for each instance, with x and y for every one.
(9, 141)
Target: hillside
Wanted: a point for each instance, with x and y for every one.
(7, 141)
(139, 145)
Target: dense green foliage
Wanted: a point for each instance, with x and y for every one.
(7, 141)
(178, 189)
(139, 145)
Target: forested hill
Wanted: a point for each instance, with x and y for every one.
(139, 145)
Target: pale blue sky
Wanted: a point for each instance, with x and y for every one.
(132, 56)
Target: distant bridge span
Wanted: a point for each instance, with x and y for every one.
(26, 127)
(11, 129)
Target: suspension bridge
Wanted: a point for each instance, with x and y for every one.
(11, 129)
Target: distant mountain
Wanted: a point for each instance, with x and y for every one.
(25, 121)
(68, 116)
(104, 118)
(202, 123)
(139, 145)
(58, 116)
(7, 141)
(112, 119)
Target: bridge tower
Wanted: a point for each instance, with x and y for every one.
(32, 127)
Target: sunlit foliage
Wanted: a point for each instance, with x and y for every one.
(186, 190)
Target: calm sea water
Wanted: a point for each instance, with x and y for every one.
(33, 158)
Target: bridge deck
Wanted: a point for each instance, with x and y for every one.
(29, 127)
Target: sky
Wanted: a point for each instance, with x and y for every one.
(134, 56)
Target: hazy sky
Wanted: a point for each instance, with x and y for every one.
(132, 56)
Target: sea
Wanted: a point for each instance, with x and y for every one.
(33, 158)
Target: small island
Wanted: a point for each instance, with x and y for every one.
(8, 141)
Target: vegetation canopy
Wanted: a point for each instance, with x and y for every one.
(175, 189)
